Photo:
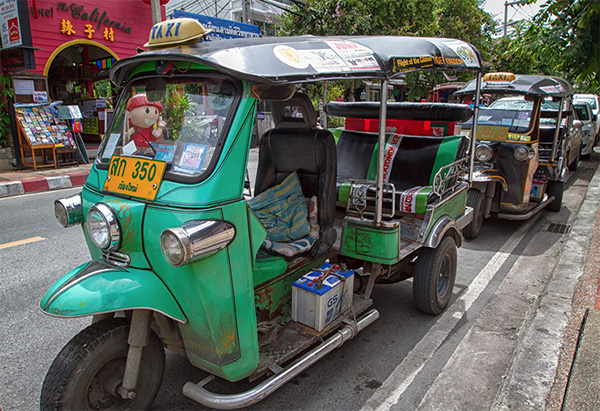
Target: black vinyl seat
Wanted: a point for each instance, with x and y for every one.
(297, 145)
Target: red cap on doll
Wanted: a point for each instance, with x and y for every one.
(140, 100)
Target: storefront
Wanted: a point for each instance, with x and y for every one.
(74, 45)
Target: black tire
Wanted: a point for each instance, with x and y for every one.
(556, 189)
(435, 273)
(475, 200)
(575, 164)
(95, 358)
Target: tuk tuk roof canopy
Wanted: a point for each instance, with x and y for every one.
(522, 84)
(280, 60)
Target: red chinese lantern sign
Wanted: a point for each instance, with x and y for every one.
(77, 128)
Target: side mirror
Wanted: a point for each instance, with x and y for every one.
(577, 123)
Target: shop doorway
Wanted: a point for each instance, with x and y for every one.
(77, 74)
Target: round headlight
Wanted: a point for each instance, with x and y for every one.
(68, 211)
(483, 152)
(103, 227)
(521, 153)
(172, 246)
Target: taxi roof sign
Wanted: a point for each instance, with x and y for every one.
(175, 31)
(499, 77)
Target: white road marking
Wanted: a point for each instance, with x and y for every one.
(402, 377)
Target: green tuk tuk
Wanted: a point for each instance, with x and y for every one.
(250, 284)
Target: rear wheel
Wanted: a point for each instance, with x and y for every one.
(475, 200)
(435, 273)
(556, 189)
(88, 370)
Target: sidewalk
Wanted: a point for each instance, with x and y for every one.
(28, 181)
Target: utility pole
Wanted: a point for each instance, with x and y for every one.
(246, 11)
(506, 4)
(155, 6)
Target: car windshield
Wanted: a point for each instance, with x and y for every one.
(591, 101)
(582, 112)
(514, 113)
(176, 120)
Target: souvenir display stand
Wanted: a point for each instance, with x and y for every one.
(43, 135)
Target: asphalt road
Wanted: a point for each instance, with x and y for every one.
(362, 373)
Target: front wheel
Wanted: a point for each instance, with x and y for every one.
(87, 372)
(475, 200)
(556, 189)
(435, 273)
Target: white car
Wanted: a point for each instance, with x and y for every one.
(584, 113)
(594, 102)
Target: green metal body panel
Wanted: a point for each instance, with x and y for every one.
(361, 239)
(216, 292)
(267, 267)
(96, 288)
(453, 207)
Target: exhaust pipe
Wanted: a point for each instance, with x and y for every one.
(198, 393)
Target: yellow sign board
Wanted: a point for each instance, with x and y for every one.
(135, 177)
(499, 77)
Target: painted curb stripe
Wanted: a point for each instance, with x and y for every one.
(13, 188)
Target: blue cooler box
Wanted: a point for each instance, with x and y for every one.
(317, 307)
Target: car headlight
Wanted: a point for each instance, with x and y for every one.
(68, 210)
(483, 152)
(522, 153)
(103, 227)
(195, 240)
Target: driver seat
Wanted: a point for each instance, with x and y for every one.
(297, 145)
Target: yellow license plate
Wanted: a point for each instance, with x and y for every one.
(136, 177)
(492, 133)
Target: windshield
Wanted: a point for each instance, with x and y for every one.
(582, 112)
(591, 101)
(177, 120)
(514, 113)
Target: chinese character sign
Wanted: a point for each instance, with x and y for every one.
(10, 29)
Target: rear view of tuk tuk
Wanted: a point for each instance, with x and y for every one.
(528, 139)
(254, 285)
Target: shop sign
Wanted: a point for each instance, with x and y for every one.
(97, 23)
(221, 28)
(10, 27)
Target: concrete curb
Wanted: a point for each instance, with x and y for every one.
(13, 188)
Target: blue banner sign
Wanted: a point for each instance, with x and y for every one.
(221, 28)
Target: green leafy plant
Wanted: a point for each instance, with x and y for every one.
(176, 104)
(6, 92)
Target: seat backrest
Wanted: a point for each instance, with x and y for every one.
(354, 155)
(415, 162)
(547, 134)
(308, 151)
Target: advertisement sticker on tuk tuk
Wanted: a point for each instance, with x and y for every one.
(134, 176)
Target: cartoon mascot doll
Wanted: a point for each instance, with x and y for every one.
(145, 122)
